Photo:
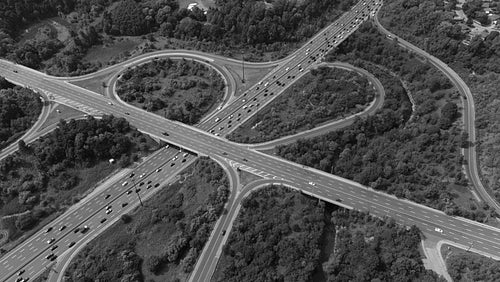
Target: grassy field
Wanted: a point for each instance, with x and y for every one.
(175, 211)
(65, 112)
(323, 95)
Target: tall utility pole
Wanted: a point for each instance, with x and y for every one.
(137, 192)
(243, 65)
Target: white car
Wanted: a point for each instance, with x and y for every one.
(438, 230)
(124, 183)
(312, 183)
(142, 175)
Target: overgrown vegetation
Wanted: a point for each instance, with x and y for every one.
(257, 27)
(52, 173)
(429, 24)
(19, 109)
(162, 241)
(321, 95)
(282, 235)
(464, 266)
(417, 158)
(182, 90)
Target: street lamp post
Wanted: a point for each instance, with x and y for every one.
(243, 65)
(136, 192)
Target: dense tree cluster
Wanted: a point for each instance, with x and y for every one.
(387, 151)
(167, 235)
(324, 94)
(19, 109)
(29, 177)
(472, 267)
(181, 90)
(369, 249)
(232, 25)
(430, 25)
(275, 237)
(279, 235)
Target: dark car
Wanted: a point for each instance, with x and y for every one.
(129, 191)
(107, 196)
(165, 133)
(20, 272)
(127, 113)
(76, 230)
(54, 247)
(53, 258)
(103, 220)
(85, 229)
(62, 228)
(157, 184)
(71, 244)
(124, 205)
(131, 175)
(48, 230)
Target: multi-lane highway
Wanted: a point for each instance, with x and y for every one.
(321, 185)
(96, 212)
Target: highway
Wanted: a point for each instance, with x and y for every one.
(471, 168)
(325, 186)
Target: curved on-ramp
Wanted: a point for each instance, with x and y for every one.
(471, 168)
(375, 105)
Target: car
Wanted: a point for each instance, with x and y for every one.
(48, 230)
(62, 228)
(129, 191)
(51, 240)
(142, 183)
(165, 133)
(149, 182)
(223, 232)
(127, 113)
(19, 279)
(109, 211)
(131, 175)
(20, 272)
(54, 247)
(124, 204)
(185, 155)
(124, 183)
(109, 103)
(172, 164)
(338, 200)
(158, 169)
(71, 244)
(217, 119)
(76, 230)
(53, 258)
(157, 184)
(149, 186)
(103, 220)
(14, 71)
(138, 190)
(84, 229)
(49, 256)
(183, 160)
(219, 107)
(142, 175)
(224, 153)
(107, 196)
(437, 229)
(312, 183)
(108, 207)
(245, 160)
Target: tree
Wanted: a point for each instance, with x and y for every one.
(126, 218)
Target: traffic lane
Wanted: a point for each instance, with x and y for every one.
(170, 177)
(39, 242)
(351, 18)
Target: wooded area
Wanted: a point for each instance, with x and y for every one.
(324, 94)
(416, 158)
(282, 235)
(50, 174)
(182, 90)
(162, 241)
(429, 24)
(464, 266)
(253, 26)
(19, 110)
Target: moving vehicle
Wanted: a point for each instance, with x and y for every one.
(51, 240)
(71, 244)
